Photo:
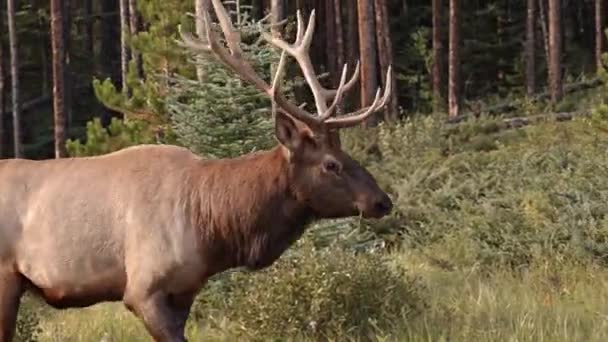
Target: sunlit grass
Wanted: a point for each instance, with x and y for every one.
(548, 302)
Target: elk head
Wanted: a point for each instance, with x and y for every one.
(320, 173)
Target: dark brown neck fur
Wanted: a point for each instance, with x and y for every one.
(245, 210)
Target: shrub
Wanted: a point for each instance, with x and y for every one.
(317, 293)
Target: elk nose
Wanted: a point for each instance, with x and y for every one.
(383, 205)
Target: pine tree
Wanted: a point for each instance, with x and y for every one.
(57, 41)
(454, 60)
(16, 108)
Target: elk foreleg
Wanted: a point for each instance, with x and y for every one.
(163, 316)
(11, 289)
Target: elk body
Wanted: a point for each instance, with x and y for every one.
(148, 225)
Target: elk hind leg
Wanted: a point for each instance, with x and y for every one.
(11, 289)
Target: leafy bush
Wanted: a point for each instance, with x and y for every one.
(318, 293)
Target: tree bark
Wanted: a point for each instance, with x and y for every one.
(135, 28)
(339, 35)
(600, 36)
(555, 51)
(89, 24)
(367, 52)
(277, 12)
(109, 52)
(1, 92)
(454, 60)
(436, 71)
(530, 47)
(385, 54)
(331, 53)
(67, 69)
(124, 49)
(12, 36)
(199, 7)
(57, 45)
(543, 26)
(352, 49)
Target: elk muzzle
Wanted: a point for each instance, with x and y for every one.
(377, 207)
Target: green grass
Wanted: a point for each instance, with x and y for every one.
(548, 302)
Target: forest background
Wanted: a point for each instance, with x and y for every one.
(493, 149)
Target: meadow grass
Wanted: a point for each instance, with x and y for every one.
(547, 302)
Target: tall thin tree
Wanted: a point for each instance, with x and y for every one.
(454, 60)
(16, 108)
(1, 88)
(367, 53)
(542, 12)
(331, 44)
(555, 51)
(135, 28)
(199, 23)
(351, 35)
(57, 45)
(600, 36)
(385, 54)
(436, 69)
(124, 47)
(530, 47)
(277, 12)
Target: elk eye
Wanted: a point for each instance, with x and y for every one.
(331, 166)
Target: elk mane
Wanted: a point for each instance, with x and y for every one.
(245, 209)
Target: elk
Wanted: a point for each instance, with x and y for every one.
(148, 225)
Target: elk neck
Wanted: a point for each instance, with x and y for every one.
(245, 210)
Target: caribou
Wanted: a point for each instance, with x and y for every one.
(148, 225)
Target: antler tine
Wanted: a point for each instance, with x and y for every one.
(362, 114)
(337, 97)
(278, 75)
(235, 61)
(353, 80)
(299, 51)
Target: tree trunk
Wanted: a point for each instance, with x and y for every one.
(352, 49)
(277, 12)
(437, 70)
(530, 48)
(44, 70)
(454, 60)
(12, 36)
(124, 49)
(385, 54)
(339, 35)
(57, 44)
(599, 33)
(543, 26)
(1, 91)
(367, 52)
(135, 28)
(555, 51)
(199, 6)
(67, 70)
(89, 24)
(109, 51)
(331, 53)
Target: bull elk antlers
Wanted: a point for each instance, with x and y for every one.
(299, 50)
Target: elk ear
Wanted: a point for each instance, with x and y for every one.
(290, 132)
